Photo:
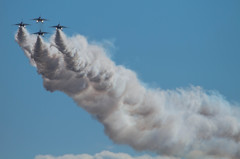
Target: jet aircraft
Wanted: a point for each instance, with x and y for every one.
(21, 24)
(59, 26)
(40, 19)
(41, 33)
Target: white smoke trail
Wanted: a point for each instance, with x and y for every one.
(25, 40)
(187, 122)
(101, 155)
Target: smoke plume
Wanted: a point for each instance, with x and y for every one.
(188, 122)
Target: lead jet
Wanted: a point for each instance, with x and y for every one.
(21, 24)
(41, 33)
(39, 19)
(59, 26)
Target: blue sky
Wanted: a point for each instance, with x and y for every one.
(170, 44)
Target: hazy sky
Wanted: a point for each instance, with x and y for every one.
(170, 44)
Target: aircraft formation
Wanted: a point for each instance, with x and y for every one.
(40, 20)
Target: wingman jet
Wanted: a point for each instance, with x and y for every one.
(59, 26)
(41, 33)
(21, 24)
(39, 19)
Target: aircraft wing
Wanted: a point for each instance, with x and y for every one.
(19, 24)
(36, 33)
